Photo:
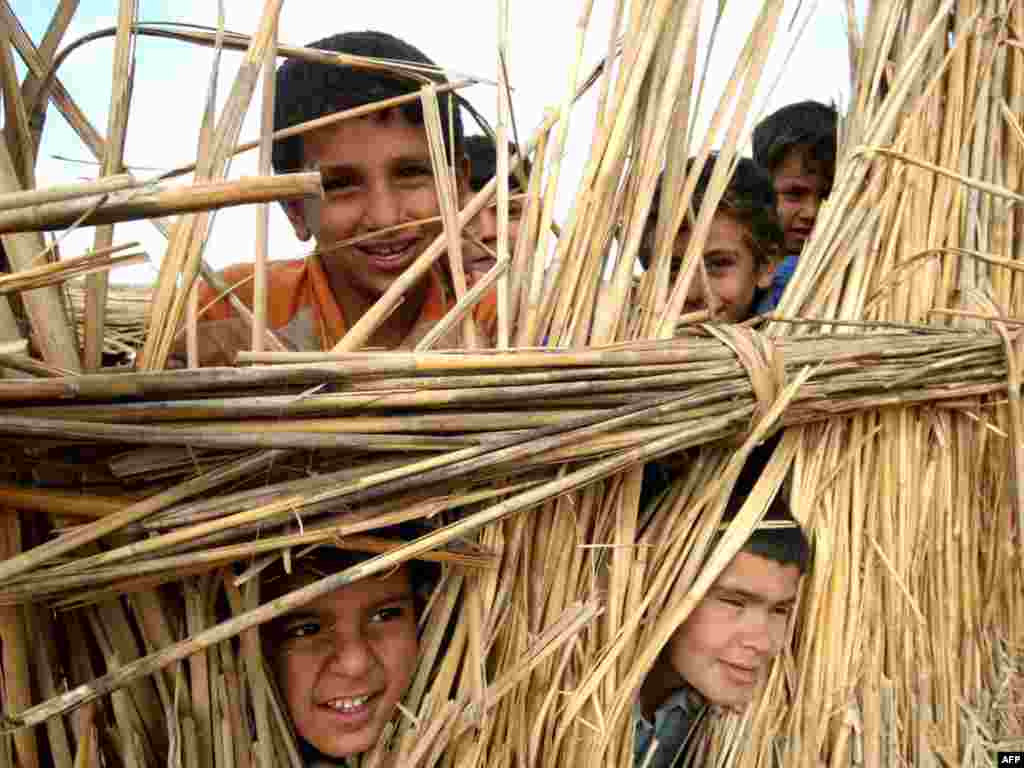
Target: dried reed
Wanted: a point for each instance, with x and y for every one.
(902, 462)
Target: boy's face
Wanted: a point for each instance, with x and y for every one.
(726, 646)
(484, 228)
(734, 272)
(800, 192)
(344, 661)
(377, 174)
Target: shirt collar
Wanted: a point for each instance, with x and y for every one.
(687, 699)
(332, 324)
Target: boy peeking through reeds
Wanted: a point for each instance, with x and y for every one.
(743, 245)
(343, 662)
(378, 215)
(797, 145)
(722, 653)
(479, 255)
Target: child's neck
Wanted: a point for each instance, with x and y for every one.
(659, 684)
(397, 326)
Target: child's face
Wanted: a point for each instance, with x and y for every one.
(734, 271)
(485, 229)
(800, 192)
(377, 174)
(726, 646)
(344, 661)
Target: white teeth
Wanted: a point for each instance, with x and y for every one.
(385, 250)
(348, 705)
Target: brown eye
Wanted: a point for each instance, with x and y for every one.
(338, 182)
(387, 614)
(416, 171)
(297, 630)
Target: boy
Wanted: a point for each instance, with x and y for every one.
(724, 650)
(343, 662)
(377, 175)
(742, 246)
(483, 162)
(797, 145)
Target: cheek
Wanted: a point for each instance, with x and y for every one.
(398, 652)
(421, 202)
(702, 636)
(787, 210)
(338, 219)
(296, 676)
(777, 631)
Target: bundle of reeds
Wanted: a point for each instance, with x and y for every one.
(126, 311)
(140, 508)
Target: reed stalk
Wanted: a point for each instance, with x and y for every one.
(131, 206)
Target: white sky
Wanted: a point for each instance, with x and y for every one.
(171, 81)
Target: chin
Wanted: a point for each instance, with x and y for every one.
(354, 744)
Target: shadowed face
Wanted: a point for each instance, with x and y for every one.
(734, 271)
(800, 192)
(344, 661)
(484, 227)
(726, 646)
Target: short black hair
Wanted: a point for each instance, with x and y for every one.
(307, 90)
(483, 162)
(780, 540)
(749, 196)
(807, 125)
(326, 559)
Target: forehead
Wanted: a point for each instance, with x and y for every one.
(767, 579)
(799, 165)
(364, 141)
(729, 232)
(354, 597)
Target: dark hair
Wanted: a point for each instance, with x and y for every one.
(749, 197)
(483, 162)
(307, 90)
(327, 559)
(785, 545)
(807, 125)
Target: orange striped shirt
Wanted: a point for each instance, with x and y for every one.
(303, 311)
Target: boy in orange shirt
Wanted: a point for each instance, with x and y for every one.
(377, 176)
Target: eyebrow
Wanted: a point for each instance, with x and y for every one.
(355, 167)
(398, 597)
(751, 596)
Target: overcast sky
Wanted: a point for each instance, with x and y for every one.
(171, 81)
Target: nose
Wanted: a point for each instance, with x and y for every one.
(351, 654)
(695, 300)
(485, 225)
(383, 207)
(809, 207)
(761, 636)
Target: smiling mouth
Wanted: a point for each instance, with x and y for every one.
(388, 256)
(743, 675)
(352, 711)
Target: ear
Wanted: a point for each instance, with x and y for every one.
(765, 273)
(295, 210)
(462, 175)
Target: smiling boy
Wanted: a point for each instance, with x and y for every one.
(344, 661)
(378, 182)
(742, 246)
(797, 145)
(722, 654)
